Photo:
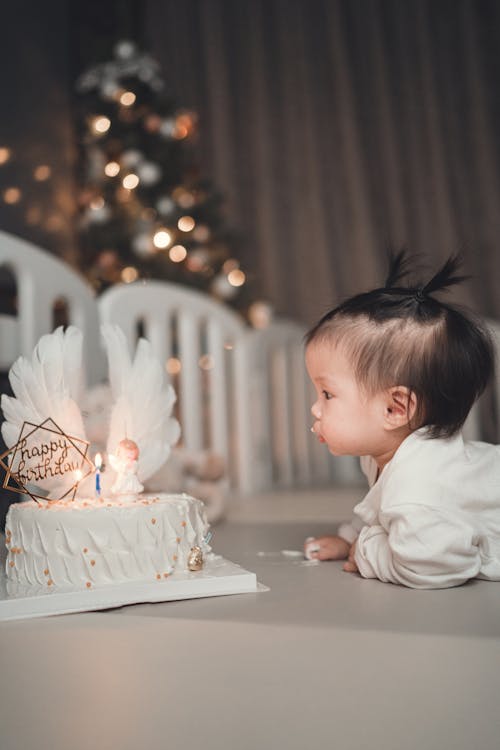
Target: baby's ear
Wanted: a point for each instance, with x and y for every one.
(400, 407)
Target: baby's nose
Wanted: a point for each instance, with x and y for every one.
(315, 410)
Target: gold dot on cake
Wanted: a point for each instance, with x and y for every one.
(92, 562)
(153, 520)
(174, 557)
(85, 550)
(11, 563)
(50, 582)
(88, 584)
(178, 539)
(165, 575)
(183, 523)
(46, 572)
(158, 576)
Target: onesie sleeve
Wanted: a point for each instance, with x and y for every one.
(349, 531)
(418, 546)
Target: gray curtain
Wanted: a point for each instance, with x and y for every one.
(337, 128)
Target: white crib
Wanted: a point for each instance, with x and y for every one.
(43, 281)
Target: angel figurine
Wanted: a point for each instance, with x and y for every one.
(125, 463)
(50, 385)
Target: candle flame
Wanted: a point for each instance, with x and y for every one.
(78, 475)
(98, 460)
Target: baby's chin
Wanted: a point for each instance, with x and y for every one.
(344, 450)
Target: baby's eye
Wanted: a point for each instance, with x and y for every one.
(327, 395)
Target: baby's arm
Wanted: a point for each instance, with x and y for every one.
(420, 547)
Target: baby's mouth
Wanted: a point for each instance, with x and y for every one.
(318, 434)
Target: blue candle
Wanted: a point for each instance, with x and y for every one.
(98, 462)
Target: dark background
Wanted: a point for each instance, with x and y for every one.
(335, 128)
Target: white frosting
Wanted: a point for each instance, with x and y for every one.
(87, 543)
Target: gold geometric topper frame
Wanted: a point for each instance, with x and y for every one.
(55, 429)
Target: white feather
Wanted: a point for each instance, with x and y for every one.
(44, 387)
(143, 402)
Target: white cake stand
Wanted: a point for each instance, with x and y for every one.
(219, 577)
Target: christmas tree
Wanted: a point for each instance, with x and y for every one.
(145, 210)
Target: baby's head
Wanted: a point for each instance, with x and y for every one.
(128, 449)
(426, 361)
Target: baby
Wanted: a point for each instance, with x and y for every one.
(396, 372)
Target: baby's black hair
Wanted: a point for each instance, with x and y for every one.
(401, 335)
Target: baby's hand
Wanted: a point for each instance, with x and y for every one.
(350, 566)
(326, 548)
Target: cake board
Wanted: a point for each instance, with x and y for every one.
(219, 577)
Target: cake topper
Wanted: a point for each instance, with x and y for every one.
(125, 463)
(44, 455)
(49, 385)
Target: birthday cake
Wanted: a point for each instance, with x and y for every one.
(86, 543)
(83, 528)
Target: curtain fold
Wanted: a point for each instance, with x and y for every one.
(339, 128)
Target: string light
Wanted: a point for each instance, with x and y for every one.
(260, 314)
(101, 124)
(12, 195)
(162, 239)
(111, 169)
(177, 253)
(186, 223)
(206, 362)
(127, 98)
(184, 125)
(4, 155)
(185, 199)
(129, 274)
(42, 173)
(173, 366)
(130, 181)
(236, 277)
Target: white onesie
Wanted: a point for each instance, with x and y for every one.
(432, 518)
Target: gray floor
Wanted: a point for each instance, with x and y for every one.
(322, 658)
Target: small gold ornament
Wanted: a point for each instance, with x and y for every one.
(195, 559)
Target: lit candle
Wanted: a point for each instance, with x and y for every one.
(98, 462)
